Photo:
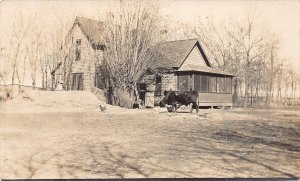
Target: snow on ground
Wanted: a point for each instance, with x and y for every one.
(52, 101)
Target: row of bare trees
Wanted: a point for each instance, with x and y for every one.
(251, 53)
(33, 51)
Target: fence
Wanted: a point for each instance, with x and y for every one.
(11, 90)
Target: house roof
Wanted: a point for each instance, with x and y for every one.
(206, 69)
(172, 54)
(92, 29)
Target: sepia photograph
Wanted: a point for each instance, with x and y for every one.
(135, 89)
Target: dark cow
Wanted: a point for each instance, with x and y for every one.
(177, 99)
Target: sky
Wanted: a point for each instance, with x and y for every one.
(281, 17)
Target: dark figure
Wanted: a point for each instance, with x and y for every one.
(179, 99)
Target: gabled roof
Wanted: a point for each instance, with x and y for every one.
(92, 29)
(171, 54)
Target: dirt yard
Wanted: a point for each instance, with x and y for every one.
(70, 138)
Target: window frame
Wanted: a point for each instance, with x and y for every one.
(78, 50)
(179, 80)
(206, 90)
(158, 87)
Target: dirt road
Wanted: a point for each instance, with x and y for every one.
(150, 143)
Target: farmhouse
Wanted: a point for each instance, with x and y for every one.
(178, 65)
(183, 66)
(86, 52)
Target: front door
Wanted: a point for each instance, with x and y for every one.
(142, 92)
(77, 82)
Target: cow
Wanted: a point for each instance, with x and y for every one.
(177, 99)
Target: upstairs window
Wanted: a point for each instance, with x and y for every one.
(78, 50)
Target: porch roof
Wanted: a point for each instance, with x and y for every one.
(206, 69)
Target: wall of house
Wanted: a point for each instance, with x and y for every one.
(168, 80)
(194, 59)
(86, 65)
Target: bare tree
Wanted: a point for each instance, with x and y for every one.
(272, 65)
(19, 33)
(130, 33)
(221, 48)
(252, 45)
(34, 51)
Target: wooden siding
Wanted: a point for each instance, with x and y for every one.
(86, 64)
(214, 98)
(194, 58)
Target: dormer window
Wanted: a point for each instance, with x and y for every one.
(78, 50)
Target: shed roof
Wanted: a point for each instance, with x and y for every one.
(92, 29)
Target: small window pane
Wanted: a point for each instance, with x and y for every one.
(228, 85)
(212, 84)
(158, 79)
(221, 84)
(197, 82)
(158, 86)
(183, 83)
(204, 83)
(191, 83)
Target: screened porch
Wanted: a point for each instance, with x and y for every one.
(213, 89)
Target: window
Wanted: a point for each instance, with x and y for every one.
(142, 86)
(221, 85)
(212, 84)
(99, 81)
(77, 82)
(158, 85)
(228, 84)
(183, 83)
(78, 50)
(197, 82)
(191, 83)
(204, 83)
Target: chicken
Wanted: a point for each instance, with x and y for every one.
(102, 108)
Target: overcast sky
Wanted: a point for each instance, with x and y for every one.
(282, 17)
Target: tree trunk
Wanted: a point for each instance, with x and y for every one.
(246, 94)
(46, 79)
(251, 96)
(43, 80)
(52, 81)
(235, 91)
(256, 92)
